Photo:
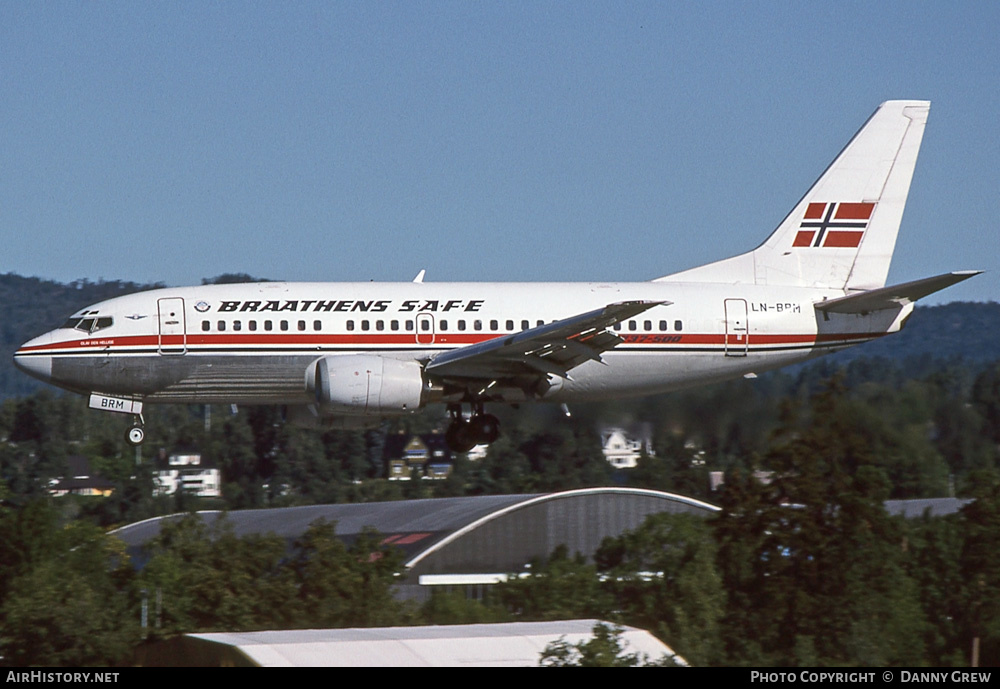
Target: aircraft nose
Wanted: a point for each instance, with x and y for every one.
(33, 359)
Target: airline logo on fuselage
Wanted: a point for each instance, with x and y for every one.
(350, 305)
(834, 225)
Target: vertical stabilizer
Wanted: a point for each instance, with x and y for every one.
(842, 233)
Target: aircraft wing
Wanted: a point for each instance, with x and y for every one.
(554, 348)
(894, 296)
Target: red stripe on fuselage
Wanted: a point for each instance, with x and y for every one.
(195, 342)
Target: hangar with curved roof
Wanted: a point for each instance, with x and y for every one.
(464, 540)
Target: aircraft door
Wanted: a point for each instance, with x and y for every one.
(173, 334)
(425, 329)
(737, 331)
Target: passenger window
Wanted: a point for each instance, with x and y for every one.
(663, 326)
(540, 323)
(284, 325)
(364, 325)
(510, 326)
(477, 324)
(350, 325)
(222, 326)
(252, 325)
(380, 325)
(205, 326)
(494, 325)
(317, 325)
(237, 325)
(394, 325)
(268, 326)
(302, 325)
(444, 324)
(647, 325)
(409, 326)
(678, 326)
(525, 325)
(631, 325)
(461, 325)
(618, 325)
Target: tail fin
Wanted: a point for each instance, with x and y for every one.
(842, 233)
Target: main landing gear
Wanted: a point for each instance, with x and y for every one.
(137, 433)
(464, 434)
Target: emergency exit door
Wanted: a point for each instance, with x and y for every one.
(173, 334)
(737, 331)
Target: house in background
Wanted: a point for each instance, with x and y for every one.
(717, 479)
(80, 480)
(622, 447)
(189, 473)
(423, 456)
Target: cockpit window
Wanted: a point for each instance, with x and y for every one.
(89, 325)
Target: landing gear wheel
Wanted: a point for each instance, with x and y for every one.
(459, 436)
(135, 435)
(485, 428)
(463, 435)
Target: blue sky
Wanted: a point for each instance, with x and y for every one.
(167, 142)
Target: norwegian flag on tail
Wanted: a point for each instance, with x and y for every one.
(836, 225)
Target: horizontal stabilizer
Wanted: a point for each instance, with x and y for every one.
(894, 296)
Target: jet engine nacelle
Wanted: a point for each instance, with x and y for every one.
(366, 385)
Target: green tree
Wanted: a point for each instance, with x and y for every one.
(68, 604)
(208, 579)
(979, 564)
(559, 588)
(934, 547)
(605, 649)
(664, 578)
(824, 580)
(447, 607)
(346, 587)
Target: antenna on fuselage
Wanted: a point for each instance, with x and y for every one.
(420, 276)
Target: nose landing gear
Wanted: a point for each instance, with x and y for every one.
(137, 433)
(480, 429)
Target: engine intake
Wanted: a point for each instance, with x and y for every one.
(367, 385)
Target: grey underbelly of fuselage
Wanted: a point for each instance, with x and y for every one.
(280, 378)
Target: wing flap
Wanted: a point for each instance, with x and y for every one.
(554, 348)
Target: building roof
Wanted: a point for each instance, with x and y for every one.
(517, 644)
(479, 537)
(937, 507)
(495, 533)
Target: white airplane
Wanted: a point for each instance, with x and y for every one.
(349, 354)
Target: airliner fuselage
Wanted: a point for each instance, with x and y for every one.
(253, 343)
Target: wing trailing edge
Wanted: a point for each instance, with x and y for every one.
(554, 348)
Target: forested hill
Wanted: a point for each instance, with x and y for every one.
(960, 330)
(31, 306)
